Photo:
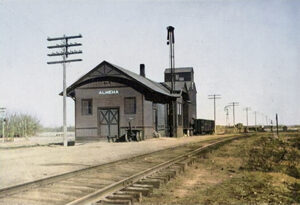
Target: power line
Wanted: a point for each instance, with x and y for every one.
(214, 97)
(65, 54)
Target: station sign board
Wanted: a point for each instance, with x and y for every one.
(108, 92)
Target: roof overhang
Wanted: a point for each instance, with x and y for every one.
(153, 93)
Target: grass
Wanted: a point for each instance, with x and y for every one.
(261, 169)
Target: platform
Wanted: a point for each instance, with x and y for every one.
(26, 164)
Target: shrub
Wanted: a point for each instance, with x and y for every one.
(252, 188)
(18, 125)
(270, 154)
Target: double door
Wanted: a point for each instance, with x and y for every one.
(108, 122)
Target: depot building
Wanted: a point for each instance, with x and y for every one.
(108, 97)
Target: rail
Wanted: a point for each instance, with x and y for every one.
(95, 183)
(102, 193)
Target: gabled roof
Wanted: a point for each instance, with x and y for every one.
(146, 81)
(142, 81)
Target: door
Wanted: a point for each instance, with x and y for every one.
(108, 122)
(155, 121)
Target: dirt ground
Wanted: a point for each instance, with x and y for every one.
(25, 164)
(197, 178)
(40, 139)
(227, 176)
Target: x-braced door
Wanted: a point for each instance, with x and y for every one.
(109, 122)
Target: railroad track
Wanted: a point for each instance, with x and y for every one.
(120, 182)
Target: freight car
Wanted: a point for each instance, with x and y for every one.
(202, 126)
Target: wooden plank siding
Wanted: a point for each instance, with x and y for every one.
(107, 85)
(87, 125)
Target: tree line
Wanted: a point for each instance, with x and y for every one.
(19, 125)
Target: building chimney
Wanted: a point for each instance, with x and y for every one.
(142, 70)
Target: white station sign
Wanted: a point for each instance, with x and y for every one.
(108, 92)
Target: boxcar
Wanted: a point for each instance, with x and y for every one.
(203, 126)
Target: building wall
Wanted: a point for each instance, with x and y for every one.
(87, 125)
(186, 117)
(179, 131)
(148, 118)
(161, 118)
(160, 110)
(189, 109)
(193, 104)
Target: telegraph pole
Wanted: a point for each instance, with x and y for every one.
(247, 109)
(277, 125)
(65, 52)
(2, 112)
(214, 97)
(233, 104)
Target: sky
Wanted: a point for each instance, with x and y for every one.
(248, 51)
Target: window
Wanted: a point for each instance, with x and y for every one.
(86, 107)
(130, 105)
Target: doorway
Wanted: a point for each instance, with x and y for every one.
(108, 122)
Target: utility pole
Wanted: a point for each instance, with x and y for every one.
(247, 109)
(214, 97)
(2, 112)
(233, 104)
(65, 52)
(173, 104)
(277, 125)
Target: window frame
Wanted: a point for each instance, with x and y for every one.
(83, 109)
(126, 111)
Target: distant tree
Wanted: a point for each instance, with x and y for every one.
(20, 125)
